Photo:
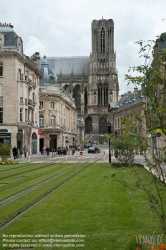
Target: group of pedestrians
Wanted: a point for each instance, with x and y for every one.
(15, 152)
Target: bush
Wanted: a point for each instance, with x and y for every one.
(5, 151)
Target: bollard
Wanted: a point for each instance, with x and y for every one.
(29, 157)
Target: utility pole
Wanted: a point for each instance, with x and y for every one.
(109, 132)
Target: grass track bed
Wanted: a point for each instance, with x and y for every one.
(19, 186)
(19, 204)
(90, 204)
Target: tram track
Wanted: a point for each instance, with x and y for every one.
(19, 213)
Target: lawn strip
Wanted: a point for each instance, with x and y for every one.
(18, 205)
(35, 182)
(94, 205)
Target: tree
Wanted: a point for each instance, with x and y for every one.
(5, 151)
(151, 76)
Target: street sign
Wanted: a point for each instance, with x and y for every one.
(81, 153)
(76, 140)
(158, 134)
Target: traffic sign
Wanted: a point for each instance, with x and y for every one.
(81, 153)
(158, 134)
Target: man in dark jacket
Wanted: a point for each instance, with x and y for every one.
(15, 152)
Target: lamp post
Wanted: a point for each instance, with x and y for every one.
(109, 132)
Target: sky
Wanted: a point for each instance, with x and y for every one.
(63, 27)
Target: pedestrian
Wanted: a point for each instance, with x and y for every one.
(48, 150)
(15, 152)
(25, 150)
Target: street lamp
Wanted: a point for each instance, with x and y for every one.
(109, 132)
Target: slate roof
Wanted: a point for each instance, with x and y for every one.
(10, 36)
(67, 65)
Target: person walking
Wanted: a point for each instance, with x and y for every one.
(25, 150)
(15, 152)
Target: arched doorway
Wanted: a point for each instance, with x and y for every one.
(34, 143)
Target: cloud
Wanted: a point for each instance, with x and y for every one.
(35, 45)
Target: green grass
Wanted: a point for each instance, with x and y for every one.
(93, 205)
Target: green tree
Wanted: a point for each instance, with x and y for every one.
(151, 76)
(5, 151)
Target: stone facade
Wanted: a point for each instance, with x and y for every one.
(58, 115)
(19, 90)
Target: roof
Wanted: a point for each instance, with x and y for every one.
(10, 35)
(67, 65)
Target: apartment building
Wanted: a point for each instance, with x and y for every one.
(19, 92)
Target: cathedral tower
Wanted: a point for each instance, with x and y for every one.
(103, 83)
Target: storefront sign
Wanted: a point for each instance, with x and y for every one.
(2, 135)
(40, 131)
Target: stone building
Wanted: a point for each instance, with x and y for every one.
(19, 91)
(57, 112)
(129, 105)
(91, 80)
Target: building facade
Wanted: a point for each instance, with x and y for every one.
(91, 80)
(57, 112)
(19, 91)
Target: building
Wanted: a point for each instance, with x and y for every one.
(19, 91)
(91, 80)
(57, 112)
(130, 106)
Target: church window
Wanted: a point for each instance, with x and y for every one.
(77, 95)
(103, 94)
(1, 69)
(103, 126)
(66, 87)
(88, 125)
(102, 37)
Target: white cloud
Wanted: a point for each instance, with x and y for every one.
(63, 28)
(35, 45)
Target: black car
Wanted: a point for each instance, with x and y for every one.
(93, 150)
(62, 151)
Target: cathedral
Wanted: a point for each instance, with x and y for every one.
(92, 81)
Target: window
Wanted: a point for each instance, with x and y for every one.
(41, 103)
(52, 105)
(21, 94)
(26, 114)
(1, 115)
(52, 120)
(0, 44)
(102, 36)
(1, 68)
(41, 121)
(21, 114)
(1, 93)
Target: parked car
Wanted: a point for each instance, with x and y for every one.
(93, 150)
(62, 151)
(87, 145)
